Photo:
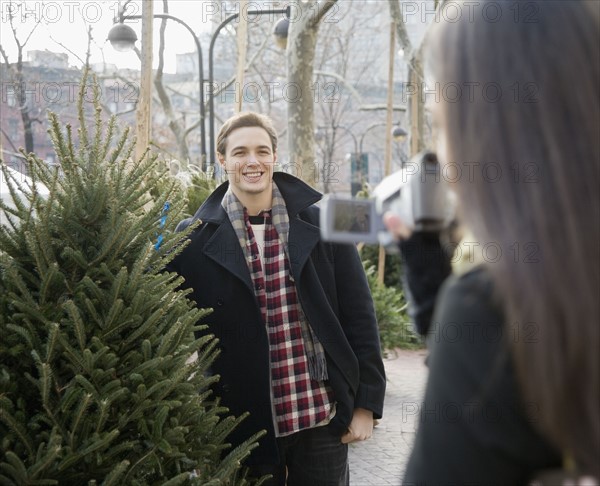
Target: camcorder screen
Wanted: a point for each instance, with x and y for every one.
(352, 217)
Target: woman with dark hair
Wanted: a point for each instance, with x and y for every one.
(514, 380)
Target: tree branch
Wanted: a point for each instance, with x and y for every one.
(8, 139)
(70, 51)
(4, 56)
(30, 34)
(322, 9)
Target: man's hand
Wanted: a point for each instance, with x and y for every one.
(361, 427)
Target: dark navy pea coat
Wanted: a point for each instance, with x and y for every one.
(334, 294)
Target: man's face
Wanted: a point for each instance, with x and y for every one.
(248, 161)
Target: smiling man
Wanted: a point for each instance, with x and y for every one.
(293, 314)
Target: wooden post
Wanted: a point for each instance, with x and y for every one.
(144, 108)
(242, 46)
(388, 136)
(414, 111)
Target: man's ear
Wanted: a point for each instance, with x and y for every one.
(221, 158)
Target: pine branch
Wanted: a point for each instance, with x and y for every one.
(16, 428)
(114, 477)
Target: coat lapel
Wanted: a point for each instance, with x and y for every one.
(224, 248)
(303, 236)
(302, 239)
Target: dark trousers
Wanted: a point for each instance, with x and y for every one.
(312, 457)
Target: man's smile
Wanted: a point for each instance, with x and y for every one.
(252, 175)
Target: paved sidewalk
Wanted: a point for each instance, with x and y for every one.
(381, 461)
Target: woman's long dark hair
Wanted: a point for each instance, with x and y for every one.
(520, 106)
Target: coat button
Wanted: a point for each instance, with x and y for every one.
(220, 302)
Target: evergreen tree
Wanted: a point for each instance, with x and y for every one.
(97, 379)
(201, 187)
(395, 328)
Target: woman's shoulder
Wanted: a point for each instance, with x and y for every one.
(468, 327)
(478, 279)
(471, 295)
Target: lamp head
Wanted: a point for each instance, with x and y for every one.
(399, 134)
(280, 32)
(122, 37)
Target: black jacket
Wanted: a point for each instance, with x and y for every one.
(475, 427)
(334, 294)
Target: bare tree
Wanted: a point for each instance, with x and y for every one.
(332, 109)
(349, 60)
(175, 123)
(301, 44)
(18, 78)
(416, 75)
(33, 87)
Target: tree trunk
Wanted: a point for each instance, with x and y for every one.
(19, 79)
(21, 95)
(415, 80)
(300, 92)
(24, 108)
(416, 106)
(303, 40)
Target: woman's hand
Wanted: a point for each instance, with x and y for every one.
(396, 227)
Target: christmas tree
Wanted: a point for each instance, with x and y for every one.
(98, 381)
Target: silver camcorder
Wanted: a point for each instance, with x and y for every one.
(417, 194)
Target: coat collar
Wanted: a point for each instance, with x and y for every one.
(297, 195)
(223, 247)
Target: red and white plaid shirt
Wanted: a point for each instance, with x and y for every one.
(299, 402)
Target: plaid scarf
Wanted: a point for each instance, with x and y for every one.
(317, 365)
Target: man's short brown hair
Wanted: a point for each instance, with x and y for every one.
(245, 119)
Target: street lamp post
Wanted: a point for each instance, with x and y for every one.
(359, 164)
(320, 134)
(123, 37)
(361, 159)
(398, 133)
(349, 132)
